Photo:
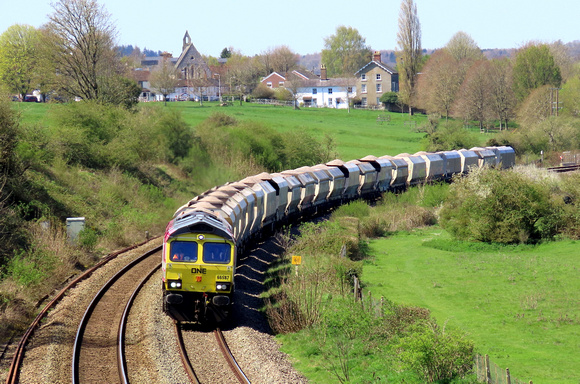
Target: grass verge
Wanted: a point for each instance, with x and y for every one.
(519, 303)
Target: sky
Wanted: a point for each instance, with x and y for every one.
(255, 26)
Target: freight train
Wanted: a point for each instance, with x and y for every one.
(205, 235)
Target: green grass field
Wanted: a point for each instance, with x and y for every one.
(356, 134)
(519, 304)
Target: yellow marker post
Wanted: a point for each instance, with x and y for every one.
(296, 260)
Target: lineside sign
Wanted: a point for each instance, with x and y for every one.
(296, 260)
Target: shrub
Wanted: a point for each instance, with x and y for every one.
(448, 136)
(439, 355)
(249, 148)
(500, 206)
(101, 136)
(263, 92)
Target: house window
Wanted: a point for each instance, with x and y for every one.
(330, 91)
(363, 88)
(363, 76)
(378, 101)
(379, 87)
(281, 84)
(330, 101)
(314, 101)
(363, 101)
(314, 91)
(269, 84)
(378, 76)
(349, 89)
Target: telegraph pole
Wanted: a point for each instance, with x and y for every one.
(554, 105)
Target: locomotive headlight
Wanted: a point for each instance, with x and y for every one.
(174, 284)
(219, 286)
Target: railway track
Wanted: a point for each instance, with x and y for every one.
(19, 351)
(219, 364)
(49, 353)
(96, 356)
(565, 168)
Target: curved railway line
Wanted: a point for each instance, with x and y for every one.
(193, 347)
(99, 338)
(18, 354)
(99, 350)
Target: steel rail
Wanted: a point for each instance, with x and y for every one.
(564, 168)
(121, 360)
(184, 357)
(12, 377)
(91, 308)
(236, 369)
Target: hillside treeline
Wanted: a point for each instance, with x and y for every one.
(531, 96)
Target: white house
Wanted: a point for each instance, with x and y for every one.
(325, 92)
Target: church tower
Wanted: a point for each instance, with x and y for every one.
(186, 40)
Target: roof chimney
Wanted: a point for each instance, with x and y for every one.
(377, 56)
(323, 72)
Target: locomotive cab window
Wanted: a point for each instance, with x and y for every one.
(217, 253)
(185, 251)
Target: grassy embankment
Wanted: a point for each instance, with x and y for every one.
(519, 304)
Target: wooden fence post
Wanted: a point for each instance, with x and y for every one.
(487, 370)
(507, 376)
(355, 288)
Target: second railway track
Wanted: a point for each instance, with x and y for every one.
(95, 354)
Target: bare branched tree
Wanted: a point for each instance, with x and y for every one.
(409, 51)
(81, 36)
(473, 100)
(502, 97)
(462, 46)
(164, 78)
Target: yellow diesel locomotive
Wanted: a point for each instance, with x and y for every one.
(199, 260)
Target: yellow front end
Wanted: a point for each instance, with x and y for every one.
(198, 276)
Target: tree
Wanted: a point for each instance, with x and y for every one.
(473, 100)
(293, 83)
(283, 59)
(570, 96)
(226, 53)
(409, 51)
(345, 52)
(242, 74)
(81, 40)
(534, 66)
(462, 46)
(502, 97)
(439, 83)
(563, 59)
(164, 78)
(19, 53)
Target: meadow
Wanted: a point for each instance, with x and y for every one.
(519, 304)
(355, 134)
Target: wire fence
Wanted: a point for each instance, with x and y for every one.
(486, 371)
(283, 103)
(490, 373)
